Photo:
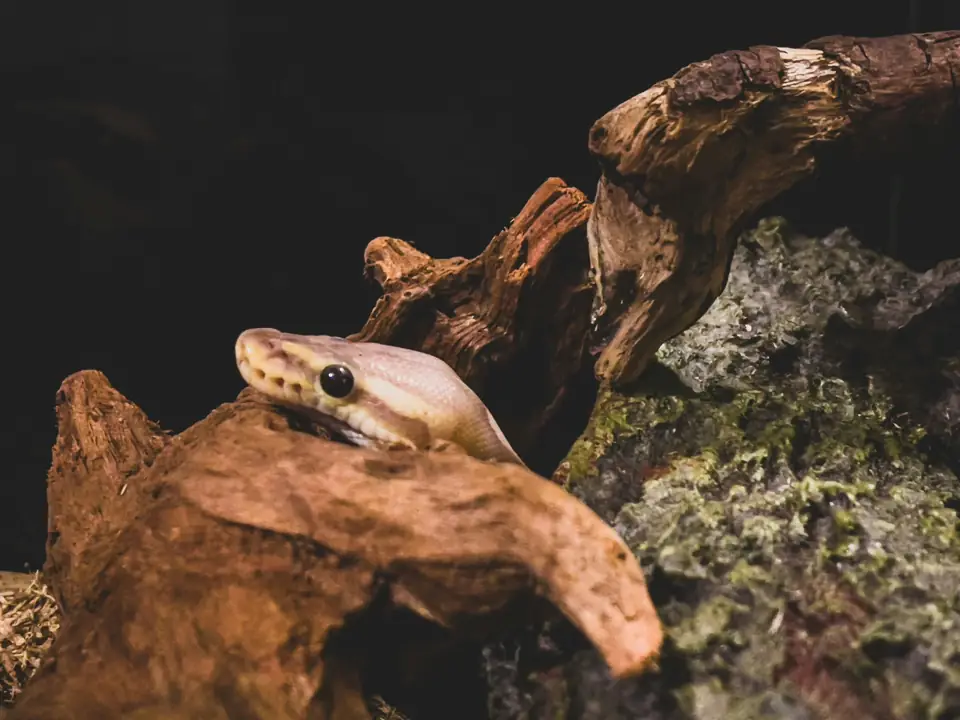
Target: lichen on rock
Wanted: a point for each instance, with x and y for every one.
(786, 474)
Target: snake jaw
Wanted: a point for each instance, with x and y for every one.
(353, 436)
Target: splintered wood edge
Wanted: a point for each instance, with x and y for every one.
(103, 441)
(491, 316)
(408, 276)
(435, 509)
(685, 162)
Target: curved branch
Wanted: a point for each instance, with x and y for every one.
(689, 160)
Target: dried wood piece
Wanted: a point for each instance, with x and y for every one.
(689, 160)
(100, 434)
(455, 533)
(513, 322)
(254, 546)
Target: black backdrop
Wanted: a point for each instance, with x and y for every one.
(179, 171)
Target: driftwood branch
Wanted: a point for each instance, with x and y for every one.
(688, 161)
(513, 322)
(211, 574)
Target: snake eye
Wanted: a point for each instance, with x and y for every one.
(336, 381)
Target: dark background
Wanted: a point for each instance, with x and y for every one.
(179, 171)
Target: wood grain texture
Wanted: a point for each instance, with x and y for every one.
(687, 162)
(514, 322)
(223, 581)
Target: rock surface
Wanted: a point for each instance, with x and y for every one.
(787, 475)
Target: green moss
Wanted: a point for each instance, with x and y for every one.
(748, 576)
(758, 492)
(704, 700)
(749, 507)
(709, 622)
(777, 472)
(602, 429)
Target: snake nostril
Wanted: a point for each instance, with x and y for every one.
(259, 373)
(278, 381)
(296, 387)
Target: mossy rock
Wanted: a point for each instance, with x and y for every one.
(786, 475)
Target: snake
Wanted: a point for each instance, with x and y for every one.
(370, 394)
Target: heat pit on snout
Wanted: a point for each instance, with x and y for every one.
(269, 375)
(280, 388)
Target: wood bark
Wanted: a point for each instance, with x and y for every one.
(513, 322)
(250, 567)
(687, 162)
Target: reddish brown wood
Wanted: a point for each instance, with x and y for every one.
(217, 585)
(688, 161)
(513, 321)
